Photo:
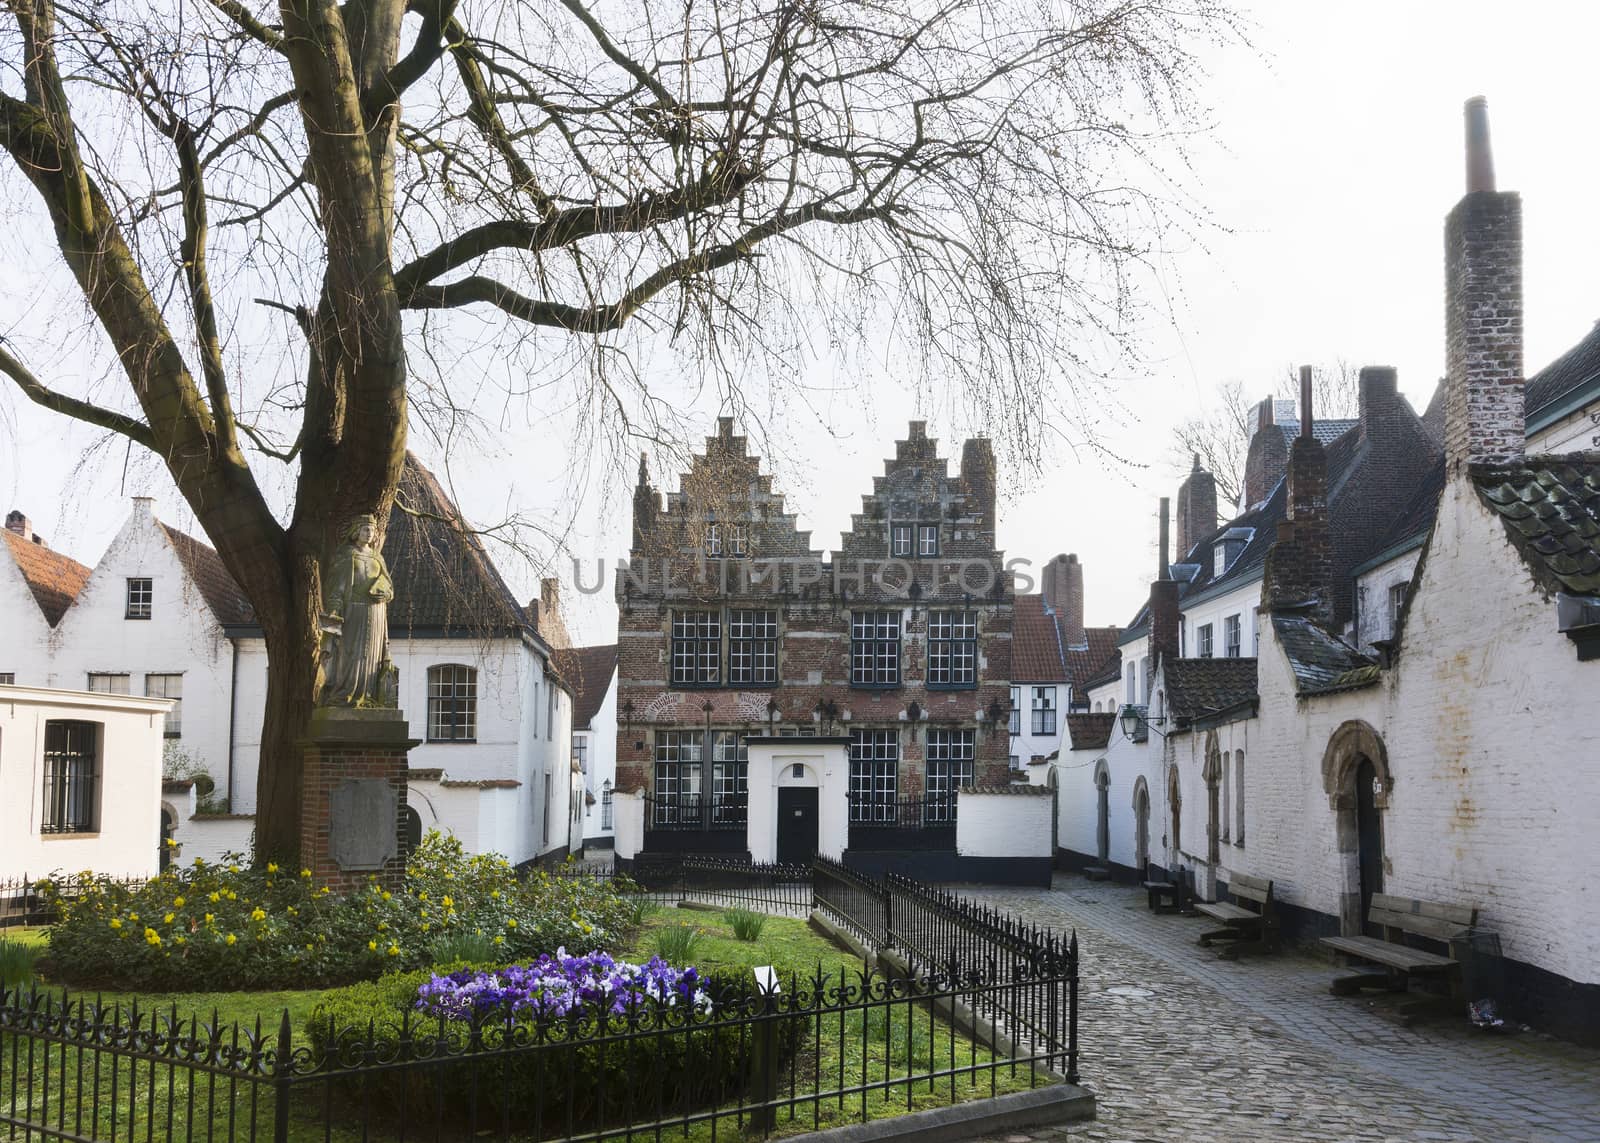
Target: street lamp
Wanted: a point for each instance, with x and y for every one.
(1136, 723)
(824, 713)
(772, 717)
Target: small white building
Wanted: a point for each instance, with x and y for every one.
(80, 782)
(591, 673)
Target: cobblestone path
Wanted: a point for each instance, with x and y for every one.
(1180, 1045)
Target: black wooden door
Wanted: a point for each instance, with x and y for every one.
(1369, 840)
(797, 824)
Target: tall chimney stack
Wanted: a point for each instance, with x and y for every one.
(1164, 614)
(1197, 509)
(1062, 587)
(1484, 416)
(1307, 420)
(1162, 571)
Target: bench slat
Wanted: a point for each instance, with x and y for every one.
(1433, 919)
(1396, 956)
(1226, 912)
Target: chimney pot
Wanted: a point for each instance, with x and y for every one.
(1162, 571)
(1307, 424)
(1480, 156)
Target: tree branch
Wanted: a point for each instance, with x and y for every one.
(40, 394)
(247, 23)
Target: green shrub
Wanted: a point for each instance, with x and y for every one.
(464, 948)
(18, 965)
(203, 927)
(584, 1073)
(746, 924)
(675, 943)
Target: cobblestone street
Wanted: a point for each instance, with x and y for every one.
(1181, 1045)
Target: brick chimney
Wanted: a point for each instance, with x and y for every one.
(1483, 418)
(20, 524)
(1062, 585)
(546, 614)
(1380, 400)
(1299, 571)
(1164, 614)
(1268, 456)
(1197, 509)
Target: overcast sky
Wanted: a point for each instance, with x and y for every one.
(1336, 154)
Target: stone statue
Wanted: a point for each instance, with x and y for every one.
(356, 592)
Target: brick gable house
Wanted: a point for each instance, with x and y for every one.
(733, 627)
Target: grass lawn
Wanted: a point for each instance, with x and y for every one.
(864, 1056)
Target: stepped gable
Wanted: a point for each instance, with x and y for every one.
(1550, 507)
(54, 579)
(725, 485)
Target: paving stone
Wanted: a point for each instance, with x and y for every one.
(1257, 1049)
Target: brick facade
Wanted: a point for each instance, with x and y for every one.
(767, 564)
(328, 764)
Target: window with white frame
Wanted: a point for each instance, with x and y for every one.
(580, 752)
(874, 774)
(952, 649)
(752, 648)
(1397, 602)
(141, 594)
(109, 684)
(71, 777)
(605, 805)
(900, 541)
(1232, 636)
(168, 687)
(1016, 711)
(738, 540)
(677, 776)
(713, 539)
(696, 648)
(950, 767)
(927, 540)
(1202, 641)
(875, 649)
(1044, 710)
(452, 703)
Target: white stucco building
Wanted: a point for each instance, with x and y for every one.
(159, 615)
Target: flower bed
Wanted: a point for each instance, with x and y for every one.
(562, 985)
(224, 927)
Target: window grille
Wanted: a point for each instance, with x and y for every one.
(71, 777)
(1044, 710)
(696, 648)
(950, 767)
(140, 595)
(452, 703)
(875, 649)
(952, 648)
(874, 775)
(168, 687)
(752, 647)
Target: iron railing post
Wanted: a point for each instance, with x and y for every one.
(282, 1072)
(1072, 1009)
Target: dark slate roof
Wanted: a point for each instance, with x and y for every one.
(1566, 377)
(444, 581)
(54, 579)
(1200, 687)
(1036, 652)
(1418, 515)
(225, 598)
(1551, 510)
(587, 672)
(1085, 665)
(1321, 662)
(1325, 431)
(1090, 731)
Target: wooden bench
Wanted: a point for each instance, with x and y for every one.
(1173, 895)
(1402, 917)
(1249, 922)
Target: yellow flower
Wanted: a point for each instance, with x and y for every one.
(116, 923)
(199, 861)
(210, 917)
(230, 939)
(394, 950)
(133, 916)
(387, 895)
(258, 914)
(511, 923)
(494, 894)
(151, 937)
(423, 896)
(167, 920)
(215, 897)
(383, 926)
(293, 912)
(373, 945)
(425, 926)
(587, 927)
(499, 940)
(180, 939)
(305, 873)
(172, 843)
(233, 869)
(272, 867)
(178, 901)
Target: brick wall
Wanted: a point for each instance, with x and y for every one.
(1483, 417)
(326, 766)
(814, 597)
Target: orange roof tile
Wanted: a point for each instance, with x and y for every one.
(54, 579)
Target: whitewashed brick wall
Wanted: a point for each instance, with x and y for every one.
(990, 824)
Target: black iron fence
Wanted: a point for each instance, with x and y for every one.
(22, 905)
(671, 878)
(696, 812)
(1034, 969)
(904, 812)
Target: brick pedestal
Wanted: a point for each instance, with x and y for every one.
(353, 800)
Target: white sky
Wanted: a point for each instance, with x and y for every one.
(1336, 155)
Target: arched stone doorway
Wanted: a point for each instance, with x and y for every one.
(1212, 773)
(1102, 816)
(1358, 782)
(1141, 826)
(1174, 839)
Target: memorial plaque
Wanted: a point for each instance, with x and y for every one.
(363, 823)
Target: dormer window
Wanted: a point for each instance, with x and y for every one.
(1228, 548)
(1219, 559)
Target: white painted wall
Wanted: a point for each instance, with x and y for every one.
(1028, 745)
(25, 648)
(629, 818)
(602, 754)
(127, 843)
(1241, 600)
(1576, 432)
(826, 767)
(1374, 620)
(995, 824)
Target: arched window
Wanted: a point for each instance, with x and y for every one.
(1238, 798)
(452, 703)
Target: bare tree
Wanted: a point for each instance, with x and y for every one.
(393, 178)
(1219, 438)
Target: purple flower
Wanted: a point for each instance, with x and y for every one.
(562, 986)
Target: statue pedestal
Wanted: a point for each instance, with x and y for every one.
(353, 797)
